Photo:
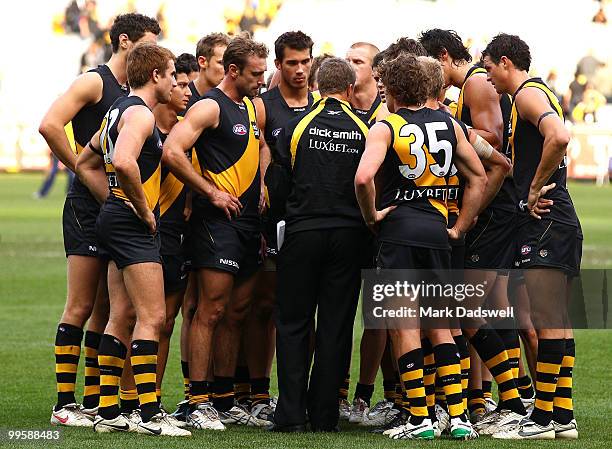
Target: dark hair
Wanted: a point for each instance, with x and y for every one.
(405, 79)
(335, 75)
(316, 65)
(510, 46)
(134, 25)
(380, 56)
(240, 50)
(143, 59)
(405, 45)
(206, 45)
(295, 40)
(436, 41)
(186, 63)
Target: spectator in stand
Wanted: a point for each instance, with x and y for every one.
(600, 17)
(552, 81)
(586, 110)
(88, 22)
(574, 94)
(93, 56)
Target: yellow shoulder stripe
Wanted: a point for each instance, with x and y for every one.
(301, 126)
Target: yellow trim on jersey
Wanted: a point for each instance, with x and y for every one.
(301, 126)
(169, 191)
(401, 146)
(316, 95)
(459, 110)
(375, 113)
(76, 148)
(346, 108)
(237, 179)
(552, 99)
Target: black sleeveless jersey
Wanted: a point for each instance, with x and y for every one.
(228, 156)
(414, 177)
(87, 121)
(322, 150)
(278, 114)
(149, 159)
(172, 195)
(506, 197)
(526, 145)
(195, 96)
(368, 116)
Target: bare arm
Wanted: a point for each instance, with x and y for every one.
(496, 165)
(202, 115)
(90, 169)
(86, 89)
(483, 101)
(135, 125)
(265, 156)
(471, 169)
(377, 142)
(531, 104)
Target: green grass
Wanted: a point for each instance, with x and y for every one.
(32, 292)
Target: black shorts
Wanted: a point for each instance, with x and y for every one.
(269, 234)
(547, 243)
(125, 237)
(490, 245)
(79, 227)
(392, 256)
(175, 273)
(220, 245)
(457, 246)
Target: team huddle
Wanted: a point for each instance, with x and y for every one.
(251, 209)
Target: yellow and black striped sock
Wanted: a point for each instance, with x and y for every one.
(563, 410)
(199, 392)
(464, 356)
(550, 357)
(510, 338)
(476, 401)
(242, 385)
(144, 365)
(185, 370)
(491, 350)
(91, 391)
(158, 395)
(67, 351)
(389, 389)
(525, 387)
(429, 377)
(487, 385)
(344, 388)
(260, 391)
(411, 371)
(111, 358)
(440, 398)
(448, 369)
(129, 400)
(223, 393)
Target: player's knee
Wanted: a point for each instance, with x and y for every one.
(77, 312)
(262, 311)
(210, 315)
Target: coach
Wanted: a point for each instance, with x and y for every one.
(318, 267)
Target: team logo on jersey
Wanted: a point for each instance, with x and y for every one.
(276, 132)
(239, 129)
(525, 249)
(543, 252)
(159, 144)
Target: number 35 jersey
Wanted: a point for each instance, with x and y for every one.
(414, 178)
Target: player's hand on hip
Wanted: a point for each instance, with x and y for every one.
(454, 233)
(537, 204)
(228, 203)
(380, 216)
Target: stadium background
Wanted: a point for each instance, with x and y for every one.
(41, 54)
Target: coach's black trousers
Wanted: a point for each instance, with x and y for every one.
(317, 272)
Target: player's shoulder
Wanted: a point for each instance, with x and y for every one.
(271, 94)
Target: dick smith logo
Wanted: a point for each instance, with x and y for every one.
(345, 135)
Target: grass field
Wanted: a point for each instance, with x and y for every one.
(32, 293)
